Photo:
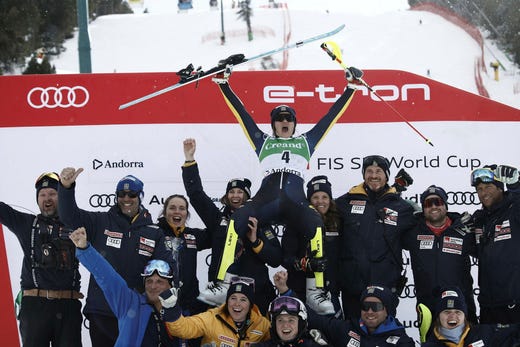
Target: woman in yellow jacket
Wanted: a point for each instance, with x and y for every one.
(236, 323)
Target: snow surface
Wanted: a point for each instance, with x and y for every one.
(379, 34)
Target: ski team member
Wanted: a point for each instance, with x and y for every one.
(283, 158)
(497, 225)
(50, 283)
(297, 256)
(236, 323)
(261, 246)
(440, 248)
(375, 218)
(452, 328)
(125, 235)
(140, 316)
(184, 243)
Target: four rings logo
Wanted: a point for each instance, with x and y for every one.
(463, 198)
(102, 200)
(52, 97)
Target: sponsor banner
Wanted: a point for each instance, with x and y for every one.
(53, 121)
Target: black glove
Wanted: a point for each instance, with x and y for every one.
(311, 264)
(467, 223)
(402, 180)
(354, 75)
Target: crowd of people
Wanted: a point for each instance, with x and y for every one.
(342, 256)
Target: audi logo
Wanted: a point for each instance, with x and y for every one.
(102, 200)
(52, 97)
(408, 291)
(463, 198)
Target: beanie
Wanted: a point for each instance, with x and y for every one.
(376, 160)
(47, 180)
(434, 190)
(451, 298)
(319, 184)
(130, 182)
(384, 294)
(244, 288)
(241, 183)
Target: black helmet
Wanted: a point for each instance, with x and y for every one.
(283, 111)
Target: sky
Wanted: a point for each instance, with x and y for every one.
(379, 34)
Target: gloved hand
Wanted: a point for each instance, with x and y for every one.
(169, 297)
(506, 174)
(402, 180)
(354, 75)
(223, 77)
(468, 223)
(311, 264)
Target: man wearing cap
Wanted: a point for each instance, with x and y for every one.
(497, 224)
(236, 323)
(260, 247)
(375, 218)
(140, 316)
(126, 237)
(377, 325)
(440, 248)
(451, 327)
(284, 158)
(50, 280)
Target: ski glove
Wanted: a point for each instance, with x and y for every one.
(506, 174)
(169, 297)
(468, 223)
(402, 181)
(354, 75)
(223, 77)
(311, 264)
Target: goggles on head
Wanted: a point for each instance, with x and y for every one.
(162, 268)
(371, 305)
(482, 176)
(130, 193)
(285, 304)
(377, 159)
(248, 281)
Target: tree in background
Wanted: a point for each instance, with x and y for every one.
(245, 13)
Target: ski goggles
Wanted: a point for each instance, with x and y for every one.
(248, 281)
(284, 304)
(371, 305)
(430, 202)
(162, 268)
(482, 176)
(130, 193)
(378, 159)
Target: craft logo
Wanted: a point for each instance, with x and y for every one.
(116, 164)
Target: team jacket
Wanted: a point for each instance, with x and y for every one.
(126, 245)
(137, 327)
(480, 335)
(371, 238)
(184, 249)
(217, 329)
(350, 333)
(443, 260)
(45, 229)
(498, 248)
(252, 261)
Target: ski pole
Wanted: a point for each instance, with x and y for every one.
(336, 56)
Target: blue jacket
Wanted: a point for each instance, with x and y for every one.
(126, 245)
(132, 309)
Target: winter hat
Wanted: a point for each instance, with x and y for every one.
(451, 298)
(376, 160)
(241, 183)
(47, 180)
(384, 294)
(243, 287)
(434, 190)
(130, 182)
(319, 184)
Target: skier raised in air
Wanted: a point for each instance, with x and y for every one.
(284, 158)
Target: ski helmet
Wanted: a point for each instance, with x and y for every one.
(287, 305)
(283, 110)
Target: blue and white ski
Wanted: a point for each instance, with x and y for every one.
(190, 75)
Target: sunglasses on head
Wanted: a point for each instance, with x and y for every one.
(162, 268)
(370, 305)
(280, 117)
(284, 304)
(482, 176)
(130, 193)
(430, 202)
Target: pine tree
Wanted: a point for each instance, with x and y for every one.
(245, 13)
